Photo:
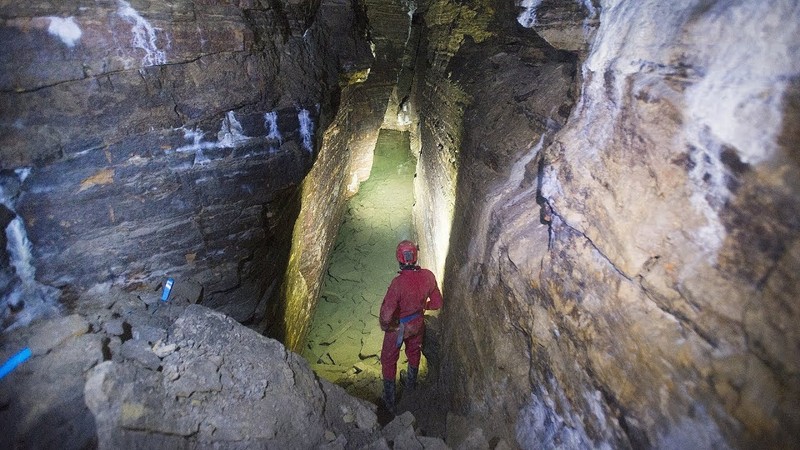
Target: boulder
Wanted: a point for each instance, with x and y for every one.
(222, 384)
(41, 401)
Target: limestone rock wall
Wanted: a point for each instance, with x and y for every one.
(491, 94)
(441, 103)
(153, 139)
(679, 170)
(619, 270)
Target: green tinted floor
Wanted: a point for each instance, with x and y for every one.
(345, 340)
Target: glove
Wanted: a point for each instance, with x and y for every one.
(390, 327)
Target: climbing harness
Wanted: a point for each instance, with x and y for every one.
(401, 329)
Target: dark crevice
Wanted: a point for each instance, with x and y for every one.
(589, 240)
(127, 332)
(680, 317)
(106, 350)
(634, 435)
(114, 72)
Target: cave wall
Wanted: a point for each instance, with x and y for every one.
(490, 94)
(626, 230)
(609, 189)
(680, 171)
(150, 139)
(440, 103)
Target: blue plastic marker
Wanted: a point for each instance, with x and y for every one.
(14, 361)
(167, 289)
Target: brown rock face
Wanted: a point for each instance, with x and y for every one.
(169, 139)
(485, 106)
(692, 197)
(619, 271)
(566, 25)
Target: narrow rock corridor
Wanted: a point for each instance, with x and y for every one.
(193, 253)
(344, 341)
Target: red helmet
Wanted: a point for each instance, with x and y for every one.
(407, 252)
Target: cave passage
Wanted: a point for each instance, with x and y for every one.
(344, 340)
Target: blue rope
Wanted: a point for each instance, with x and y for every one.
(14, 361)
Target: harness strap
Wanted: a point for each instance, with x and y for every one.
(402, 328)
(411, 317)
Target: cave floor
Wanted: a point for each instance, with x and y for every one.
(344, 341)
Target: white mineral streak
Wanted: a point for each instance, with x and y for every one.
(196, 136)
(543, 424)
(412, 8)
(589, 7)
(588, 21)
(19, 251)
(527, 18)
(748, 118)
(35, 300)
(144, 35)
(23, 173)
(230, 134)
(404, 115)
(17, 243)
(65, 29)
(551, 187)
(733, 96)
(271, 124)
(600, 112)
(505, 195)
(306, 129)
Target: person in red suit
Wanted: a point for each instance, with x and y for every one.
(402, 319)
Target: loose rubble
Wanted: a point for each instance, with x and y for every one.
(126, 371)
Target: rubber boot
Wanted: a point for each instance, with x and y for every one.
(388, 395)
(411, 377)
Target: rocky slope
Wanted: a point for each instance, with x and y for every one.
(130, 371)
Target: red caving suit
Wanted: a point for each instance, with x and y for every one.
(411, 292)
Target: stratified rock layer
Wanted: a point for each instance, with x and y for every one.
(623, 276)
(169, 139)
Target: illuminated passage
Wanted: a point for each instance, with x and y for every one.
(344, 341)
